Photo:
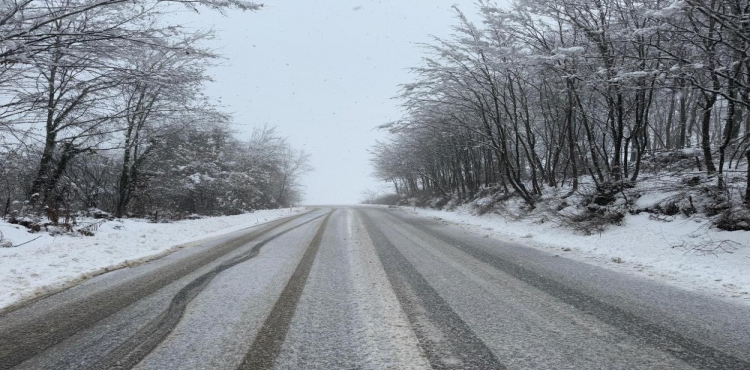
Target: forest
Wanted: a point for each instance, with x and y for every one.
(103, 113)
(581, 102)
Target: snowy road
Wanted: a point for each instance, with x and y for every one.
(371, 288)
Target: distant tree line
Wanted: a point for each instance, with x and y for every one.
(546, 92)
(102, 107)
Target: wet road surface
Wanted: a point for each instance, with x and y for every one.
(371, 288)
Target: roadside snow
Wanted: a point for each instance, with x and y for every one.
(47, 263)
(677, 251)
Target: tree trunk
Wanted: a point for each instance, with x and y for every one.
(50, 139)
(682, 142)
(729, 131)
(571, 140)
(706, 133)
(51, 193)
(124, 184)
(668, 128)
(42, 175)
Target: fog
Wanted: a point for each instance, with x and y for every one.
(325, 73)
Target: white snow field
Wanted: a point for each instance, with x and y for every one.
(48, 263)
(684, 252)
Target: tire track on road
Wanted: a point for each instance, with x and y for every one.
(270, 337)
(446, 339)
(687, 349)
(24, 339)
(137, 347)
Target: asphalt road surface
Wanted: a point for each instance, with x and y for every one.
(371, 288)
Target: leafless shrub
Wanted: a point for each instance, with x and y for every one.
(713, 247)
(734, 219)
(31, 224)
(661, 218)
(705, 246)
(599, 207)
(589, 222)
(486, 207)
(4, 243)
(90, 229)
(384, 199)
(681, 203)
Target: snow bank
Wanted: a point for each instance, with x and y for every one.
(683, 252)
(47, 263)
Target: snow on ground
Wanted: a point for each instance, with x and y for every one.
(682, 252)
(48, 263)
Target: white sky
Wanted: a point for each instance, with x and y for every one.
(325, 73)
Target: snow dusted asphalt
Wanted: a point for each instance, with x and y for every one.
(370, 288)
(348, 317)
